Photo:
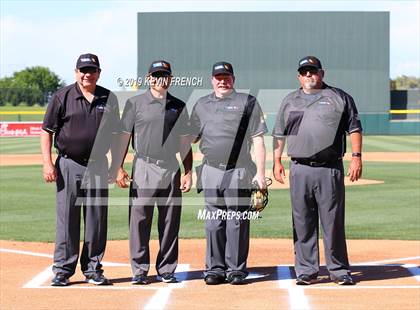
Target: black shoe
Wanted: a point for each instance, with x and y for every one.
(344, 280)
(212, 279)
(59, 280)
(237, 280)
(167, 278)
(97, 279)
(139, 280)
(305, 279)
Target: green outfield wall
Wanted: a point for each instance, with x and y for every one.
(264, 48)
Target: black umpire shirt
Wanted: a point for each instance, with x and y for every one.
(78, 125)
(216, 121)
(316, 124)
(156, 124)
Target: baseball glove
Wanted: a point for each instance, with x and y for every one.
(259, 198)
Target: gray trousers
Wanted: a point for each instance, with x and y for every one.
(318, 192)
(79, 186)
(154, 185)
(227, 240)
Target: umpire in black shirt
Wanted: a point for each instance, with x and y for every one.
(315, 119)
(83, 118)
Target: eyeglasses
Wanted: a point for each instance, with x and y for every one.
(305, 71)
(90, 70)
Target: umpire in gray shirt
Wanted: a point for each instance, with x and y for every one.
(315, 120)
(159, 124)
(226, 179)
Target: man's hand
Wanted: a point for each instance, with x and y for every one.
(260, 179)
(122, 178)
(112, 174)
(355, 169)
(49, 172)
(279, 172)
(186, 182)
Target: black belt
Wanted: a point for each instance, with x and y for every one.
(81, 161)
(312, 163)
(157, 162)
(219, 165)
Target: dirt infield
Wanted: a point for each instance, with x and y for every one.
(387, 275)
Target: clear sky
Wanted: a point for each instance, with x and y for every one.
(54, 33)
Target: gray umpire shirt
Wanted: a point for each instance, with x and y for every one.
(316, 125)
(157, 124)
(216, 121)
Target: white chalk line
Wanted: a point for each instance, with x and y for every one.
(297, 297)
(25, 253)
(39, 279)
(400, 259)
(161, 297)
(158, 300)
(414, 270)
(51, 256)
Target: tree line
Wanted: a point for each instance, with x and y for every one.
(31, 86)
(405, 82)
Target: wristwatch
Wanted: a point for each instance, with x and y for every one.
(356, 154)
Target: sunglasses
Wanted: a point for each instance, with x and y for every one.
(305, 71)
(88, 70)
(160, 75)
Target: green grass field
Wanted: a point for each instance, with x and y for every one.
(384, 211)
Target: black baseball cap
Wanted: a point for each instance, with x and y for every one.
(222, 67)
(310, 61)
(87, 60)
(160, 66)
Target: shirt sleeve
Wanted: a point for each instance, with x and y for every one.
(114, 114)
(257, 125)
(195, 123)
(51, 121)
(184, 123)
(128, 117)
(351, 116)
(279, 129)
